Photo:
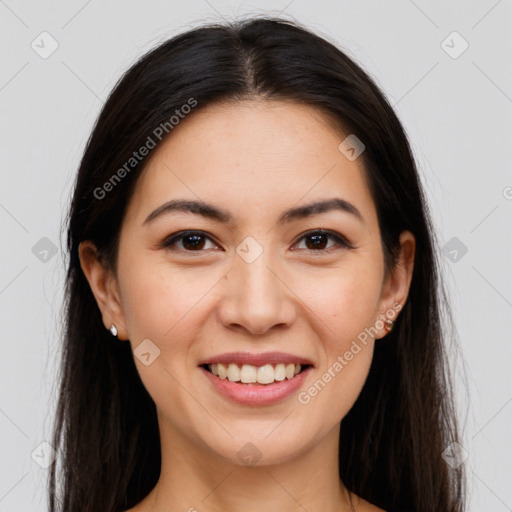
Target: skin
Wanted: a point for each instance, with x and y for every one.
(255, 159)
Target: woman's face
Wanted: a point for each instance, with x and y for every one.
(253, 280)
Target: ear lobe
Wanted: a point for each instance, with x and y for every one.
(396, 288)
(103, 286)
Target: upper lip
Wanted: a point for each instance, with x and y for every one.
(256, 359)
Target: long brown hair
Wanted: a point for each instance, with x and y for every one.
(106, 427)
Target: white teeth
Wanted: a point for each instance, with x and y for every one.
(266, 374)
(280, 372)
(290, 370)
(248, 373)
(223, 373)
(233, 373)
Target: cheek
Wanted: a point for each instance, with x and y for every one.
(163, 305)
(336, 387)
(345, 306)
(345, 300)
(157, 299)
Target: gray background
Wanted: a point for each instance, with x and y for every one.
(456, 111)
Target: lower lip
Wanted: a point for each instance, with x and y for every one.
(257, 394)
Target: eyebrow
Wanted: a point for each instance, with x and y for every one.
(218, 214)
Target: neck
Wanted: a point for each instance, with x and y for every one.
(193, 478)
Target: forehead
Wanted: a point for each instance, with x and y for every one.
(252, 157)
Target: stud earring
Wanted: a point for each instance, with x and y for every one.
(113, 330)
(388, 325)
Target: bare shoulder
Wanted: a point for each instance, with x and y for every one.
(142, 506)
(137, 508)
(371, 508)
(365, 506)
(361, 506)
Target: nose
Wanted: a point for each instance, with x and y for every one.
(256, 297)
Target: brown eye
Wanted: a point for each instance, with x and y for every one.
(197, 241)
(189, 241)
(317, 241)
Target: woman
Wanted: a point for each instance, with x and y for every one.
(253, 300)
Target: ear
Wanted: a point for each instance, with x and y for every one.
(395, 288)
(104, 288)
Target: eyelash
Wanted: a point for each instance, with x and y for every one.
(340, 240)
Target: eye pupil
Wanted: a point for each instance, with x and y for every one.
(316, 242)
(319, 241)
(196, 241)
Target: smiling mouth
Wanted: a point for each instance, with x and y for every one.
(248, 374)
